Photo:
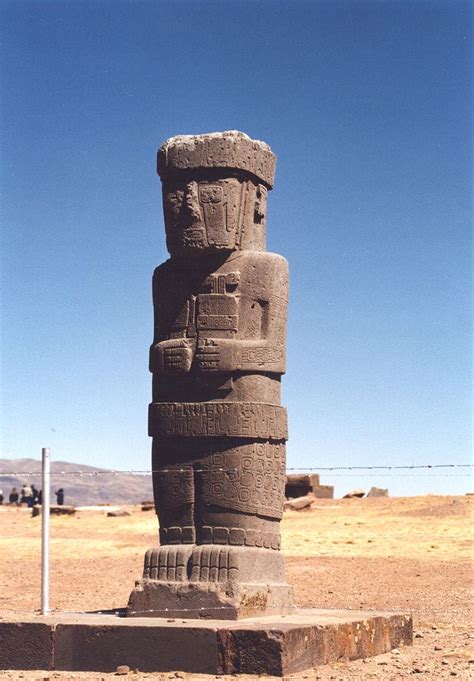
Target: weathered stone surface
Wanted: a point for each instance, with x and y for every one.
(62, 510)
(25, 645)
(95, 647)
(324, 492)
(217, 582)
(354, 494)
(230, 150)
(300, 502)
(218, 353)
(310, 640)
(122, 670)
(377, 492)
(266, 645)
(299, 485)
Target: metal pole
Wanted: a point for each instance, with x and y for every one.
(45, 476)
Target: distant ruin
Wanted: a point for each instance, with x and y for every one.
(299, 485)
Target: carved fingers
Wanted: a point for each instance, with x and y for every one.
(173, 356)
(215, 355)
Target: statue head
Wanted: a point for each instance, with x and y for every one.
(215, 192)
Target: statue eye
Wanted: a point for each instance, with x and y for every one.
(211, 194)
(175, 198)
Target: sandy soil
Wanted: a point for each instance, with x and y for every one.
(408, 554)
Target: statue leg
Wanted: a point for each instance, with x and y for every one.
(173, 489)
(219, 558)
(239, 500)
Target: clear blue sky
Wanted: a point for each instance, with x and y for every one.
(367, 106)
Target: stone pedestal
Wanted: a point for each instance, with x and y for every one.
(274, 646)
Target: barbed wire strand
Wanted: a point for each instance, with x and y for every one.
(335, 475)
(189, 468)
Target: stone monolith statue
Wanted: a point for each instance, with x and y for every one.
(218, 428)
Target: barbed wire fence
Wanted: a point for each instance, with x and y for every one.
(303, 470)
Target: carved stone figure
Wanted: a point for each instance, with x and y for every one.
(218, 428)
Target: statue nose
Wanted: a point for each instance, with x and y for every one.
(191, 200)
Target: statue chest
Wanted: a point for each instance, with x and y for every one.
(212, 311)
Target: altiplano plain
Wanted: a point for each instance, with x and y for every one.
(411, 554)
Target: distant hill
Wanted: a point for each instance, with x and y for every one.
(91, 486)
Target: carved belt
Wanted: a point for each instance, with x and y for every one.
(218, 419)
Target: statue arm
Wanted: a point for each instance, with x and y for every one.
(167, 355)
(222, 354)
(264, 354)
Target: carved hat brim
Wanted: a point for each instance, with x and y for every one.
(231, 150)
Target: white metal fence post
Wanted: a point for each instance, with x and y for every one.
(45, 503)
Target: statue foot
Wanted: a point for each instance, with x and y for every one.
(168, 563)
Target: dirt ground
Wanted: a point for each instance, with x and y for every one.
(402, 554)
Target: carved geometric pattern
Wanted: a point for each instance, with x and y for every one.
(250, 479)
(217, 419)
(177, 535)
(261, 355)
(236, 536)
(175, 488)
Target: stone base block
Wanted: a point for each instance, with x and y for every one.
(211, 582)
(269, 645)
(26, 645)
(199, 600)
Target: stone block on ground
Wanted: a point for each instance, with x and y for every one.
(354, 494)
(324, 492)
(377, 492)
(55, 509)
(299, 503)
(299, 485)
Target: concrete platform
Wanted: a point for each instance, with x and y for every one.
(277, 645)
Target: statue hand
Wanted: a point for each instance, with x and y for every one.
(173, 356)
(213, 354)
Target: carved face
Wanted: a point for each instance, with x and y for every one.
(204, 216)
